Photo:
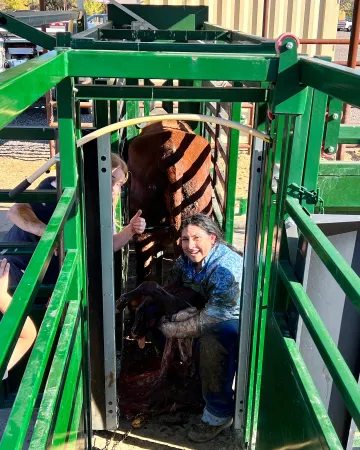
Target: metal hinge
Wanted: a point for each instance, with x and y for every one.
(312, 197)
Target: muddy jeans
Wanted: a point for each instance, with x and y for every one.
(218, 351)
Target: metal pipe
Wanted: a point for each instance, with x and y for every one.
(265, 18)
(352, 56)
(325, 41)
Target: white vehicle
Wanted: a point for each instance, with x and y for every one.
(344, 25)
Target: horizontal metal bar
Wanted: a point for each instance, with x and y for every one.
(89, 44)
(166, 35)
(24, 296)
(335, 363)
(349, 134)
(32, 379)
(70, 332)
(40, 73)
(169, 93)
(37, 18)
(332, 259)
(44, 291)
(339, 82)
(235, 35)
(310, 394)
(28, 133)
(190, 66)
(36, 195)
(92, 33)
(339, 168)
(11, 248)
(219, 176)
(325, 41)
(27, 32)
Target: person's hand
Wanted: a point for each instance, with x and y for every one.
(181, 329)
(4, 276)
(137, 223)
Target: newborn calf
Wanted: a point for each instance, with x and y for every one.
(151, 302)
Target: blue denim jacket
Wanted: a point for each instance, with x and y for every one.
(219, 280)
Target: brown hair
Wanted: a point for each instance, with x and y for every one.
(116, 162)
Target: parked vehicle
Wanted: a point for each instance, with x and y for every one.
(344, 25)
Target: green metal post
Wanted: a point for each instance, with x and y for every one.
(231, 175)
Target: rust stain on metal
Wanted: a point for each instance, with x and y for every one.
(111, 378)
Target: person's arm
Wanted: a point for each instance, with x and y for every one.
(136, 226)
(22, 215)
(28, 333)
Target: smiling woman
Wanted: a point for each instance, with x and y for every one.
(213, 269)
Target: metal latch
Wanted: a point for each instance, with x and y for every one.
(312, 197)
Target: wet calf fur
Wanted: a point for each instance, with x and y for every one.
(151, 302)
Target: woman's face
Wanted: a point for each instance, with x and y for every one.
(118, 179)
(196, 243)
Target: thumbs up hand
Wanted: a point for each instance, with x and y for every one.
(137, 223)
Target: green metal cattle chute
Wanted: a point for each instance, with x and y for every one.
(277, 402)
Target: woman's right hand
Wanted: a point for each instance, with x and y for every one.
(137, 223)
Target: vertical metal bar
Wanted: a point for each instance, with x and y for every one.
(71, 170)
(352, 56)
(247, 297)
(231, 175)
(265, 18)
(107, 270)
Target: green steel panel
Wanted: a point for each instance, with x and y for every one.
(41, 195)
(289, 95)
(339, 169)
(333, 126)
(239, 36)
(311, 396)
(70, 336)
(93, 33)
(337, 81)
(349, 134)
(192, 66)
(187, 23)
(68, 395)
(268, 209)
(14, 318)
(169, 93)
(28, 133)
(153, 35)
(162, 17)
(40, 73)
(73, 443)
(335, 363)
(231, 173)
(315, 137)
(38, 18)
(28, 32)
(333, 260)
(290, 406)
(298, 151)
(340, 193)
(16, 429)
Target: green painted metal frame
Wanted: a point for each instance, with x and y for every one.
(298, 164)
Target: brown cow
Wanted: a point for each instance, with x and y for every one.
(170, 181)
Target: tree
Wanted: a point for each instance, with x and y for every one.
(15, 5)
(94, 7)
(347, 7)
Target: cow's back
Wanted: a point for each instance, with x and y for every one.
(170, 173)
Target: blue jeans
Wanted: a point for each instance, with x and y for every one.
(218, 352)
